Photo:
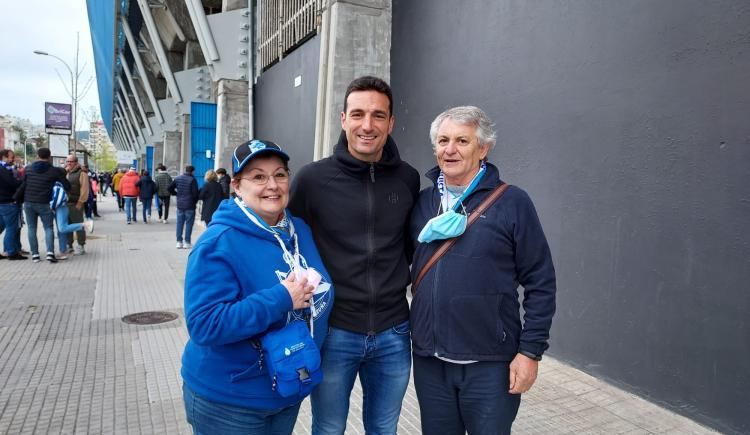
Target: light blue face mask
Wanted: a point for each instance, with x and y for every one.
(450, 223)
(443, 226)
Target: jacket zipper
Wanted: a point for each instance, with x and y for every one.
(435, 308)
(370, 250)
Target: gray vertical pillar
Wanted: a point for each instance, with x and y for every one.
(231, 120)
(158, 153)
(185, 147)
(171, 147)
(355, 41)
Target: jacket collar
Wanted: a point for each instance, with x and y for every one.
(40, 166)
(389, 159)
(489, 181)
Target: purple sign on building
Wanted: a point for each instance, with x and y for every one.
(58, 118)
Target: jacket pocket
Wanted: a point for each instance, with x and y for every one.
(474, 325)
(253, 371)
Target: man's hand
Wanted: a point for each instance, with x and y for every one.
(79, 205)
(523, 372)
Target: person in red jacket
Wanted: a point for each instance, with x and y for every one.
(129, 192)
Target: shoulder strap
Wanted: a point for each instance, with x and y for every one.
(473, 216)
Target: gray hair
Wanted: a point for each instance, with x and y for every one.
(467, 115)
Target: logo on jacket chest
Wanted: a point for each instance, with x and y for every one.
(393, 198)
(321, 298)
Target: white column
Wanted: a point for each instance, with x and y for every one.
(141, 70)
(130, 106)
(138, 102)
(161, 55)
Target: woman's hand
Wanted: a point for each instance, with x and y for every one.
(300, 291)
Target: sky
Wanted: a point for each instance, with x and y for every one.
(27, 80)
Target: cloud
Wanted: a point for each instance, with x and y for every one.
(28, 80)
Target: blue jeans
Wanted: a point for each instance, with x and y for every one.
(209, 417)
(9, 224)
(382, 361)
(131, 208)
(185, 218)
(456, 398)
(63, 227)
(41, 210)
(146, 208)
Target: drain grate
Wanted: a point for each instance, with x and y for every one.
(149, 318)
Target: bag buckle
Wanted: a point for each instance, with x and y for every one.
(304, 375)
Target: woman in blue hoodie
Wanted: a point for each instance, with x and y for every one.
(244, 280)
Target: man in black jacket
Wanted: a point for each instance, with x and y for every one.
(223, 182)
(186, 189)
(358, 203)
(38, 181)
(8, 206)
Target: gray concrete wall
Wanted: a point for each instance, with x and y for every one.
(358, 44)
(232, 120)
(186, 149)
(627, 122)
(284, 113)
(172, 150)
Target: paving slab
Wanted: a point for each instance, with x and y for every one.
(69, 364)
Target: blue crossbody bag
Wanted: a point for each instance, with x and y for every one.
(292, 359)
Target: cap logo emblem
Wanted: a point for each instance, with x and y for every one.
(256, 146)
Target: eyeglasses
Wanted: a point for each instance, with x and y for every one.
(70, 161)
(281, 177)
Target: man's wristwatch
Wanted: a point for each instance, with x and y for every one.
(528, 354)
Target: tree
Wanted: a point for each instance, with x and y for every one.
(40, 141)
(21, 132)
(105, 158)
(92, 114)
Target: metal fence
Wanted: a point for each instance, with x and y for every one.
(283, 25)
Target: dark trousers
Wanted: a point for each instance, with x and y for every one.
(164, 205)
(75, 216)
(120, 201)
(459, 398)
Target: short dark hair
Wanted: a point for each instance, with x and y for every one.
(189, 169)
(43, 153)
(4, 153)
(144, 173)
(370, 83)
(221, 171)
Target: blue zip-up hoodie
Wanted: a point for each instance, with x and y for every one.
(233, 293)
(466, 307)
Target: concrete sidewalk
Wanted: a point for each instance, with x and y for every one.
(69, 364)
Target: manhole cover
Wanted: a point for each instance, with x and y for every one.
(149, 318)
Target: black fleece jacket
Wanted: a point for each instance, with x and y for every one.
(8, 185)
(39, 179)
(359, 214)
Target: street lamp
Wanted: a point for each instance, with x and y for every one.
(73, 93)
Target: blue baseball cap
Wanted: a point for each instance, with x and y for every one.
(252, 148)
